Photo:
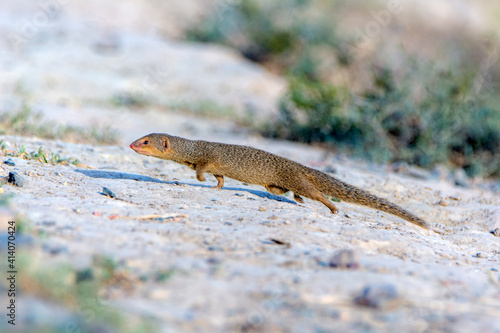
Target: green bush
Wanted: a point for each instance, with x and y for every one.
(387, 123)
(417, 113)
(281, 33)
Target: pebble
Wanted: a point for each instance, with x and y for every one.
(495, 232)
(383, 296)
(15, 179)
(106, 191)
(461, 178)
(48, 223)
(9, 162)
(273, 217)
(345, 259)
(400, 167)
(443, 202)
(55, 249)
(479, 255)
(262, 209)
(238, 194)
(330, 169)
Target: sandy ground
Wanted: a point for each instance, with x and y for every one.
(231, 274)
(241, 259)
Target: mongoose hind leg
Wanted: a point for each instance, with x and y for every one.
(312, 192)
(298, 198)
(275, 189)
(220, 182)
(280, 190)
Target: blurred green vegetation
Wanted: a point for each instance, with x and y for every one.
(27, 122)
(81, 293)
(424, 114)
(41, 155)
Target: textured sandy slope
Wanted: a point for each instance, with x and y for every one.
(228, 270)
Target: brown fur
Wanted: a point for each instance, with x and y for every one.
(277, 174)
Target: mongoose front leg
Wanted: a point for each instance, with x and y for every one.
(220, 182)
(200, 170)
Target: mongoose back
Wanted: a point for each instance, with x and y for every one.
(250, 165)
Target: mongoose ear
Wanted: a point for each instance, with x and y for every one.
(166, 144)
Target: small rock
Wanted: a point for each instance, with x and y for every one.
(345, 259)
(48, 223)
(106, 191)
(262, 209)
(213, 261)
(479, 255)
(273, 217)
(9, 162)
(400, 167)
(378, 296)
(280, 242)
(96, 214)
(495, 232)
(440, 172)
(330, 169)
(443, 202)
(461, 178)
(228, 223)
(238, 194)
(109, 44)
(55, 249)
(15, 179)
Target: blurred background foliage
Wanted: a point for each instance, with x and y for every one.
(369, 86)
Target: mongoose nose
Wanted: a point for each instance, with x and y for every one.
(131, 146)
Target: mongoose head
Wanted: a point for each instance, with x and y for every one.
(152, 145)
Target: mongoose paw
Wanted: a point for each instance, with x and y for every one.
(334, 211)
(217, 187)
(298, 198)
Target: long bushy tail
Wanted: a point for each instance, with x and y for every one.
(340, 190)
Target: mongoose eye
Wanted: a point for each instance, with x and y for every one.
(146, 142)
